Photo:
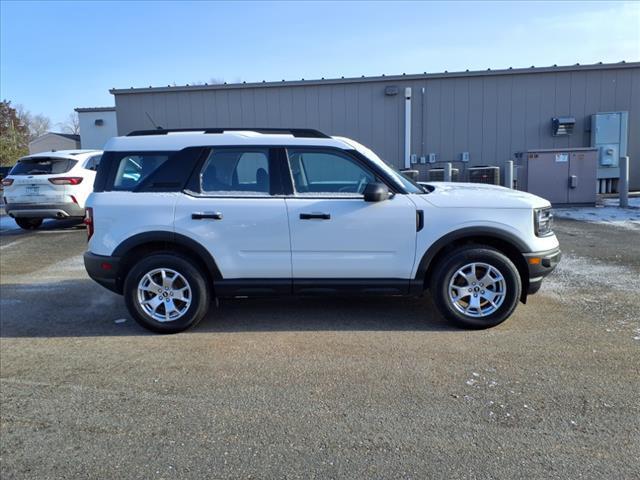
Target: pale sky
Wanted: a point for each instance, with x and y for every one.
(59, 55)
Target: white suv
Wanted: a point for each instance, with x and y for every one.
(179, 217)
(50, 185)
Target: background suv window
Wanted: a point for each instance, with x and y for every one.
(236, 172)
(317, 172)
(42, 166)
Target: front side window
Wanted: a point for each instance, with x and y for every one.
(236, 172)
(327, 173)
(133, 169)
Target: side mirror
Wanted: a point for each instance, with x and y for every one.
(376, 192)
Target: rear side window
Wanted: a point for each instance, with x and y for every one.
(42, 166)
(133, 169)
(236, 172)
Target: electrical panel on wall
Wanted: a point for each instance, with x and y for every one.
(414, 158)
(432, 158)
(464, 157)
(423, 159)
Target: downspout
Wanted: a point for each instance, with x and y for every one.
(407, 127)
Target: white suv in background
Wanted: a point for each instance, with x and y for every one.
(50, 185)
(180, 217)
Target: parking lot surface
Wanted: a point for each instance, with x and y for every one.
(320, 388)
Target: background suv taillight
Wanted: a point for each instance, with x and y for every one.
(7, 182)
(66, 180)
(88, 221)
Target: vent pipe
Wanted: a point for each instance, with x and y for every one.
(407, 127)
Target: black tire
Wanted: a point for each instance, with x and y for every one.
(199, 296)
(447, 268)
(28, 223)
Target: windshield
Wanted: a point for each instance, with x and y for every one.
(42, 166)
(409, 185)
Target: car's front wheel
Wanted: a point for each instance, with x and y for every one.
(166, 293)
(28, 223)
(476, 287)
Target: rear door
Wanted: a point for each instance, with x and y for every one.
(32, 180)
(238, 213)
(335, 234)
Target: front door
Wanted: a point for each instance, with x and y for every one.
(335, 234)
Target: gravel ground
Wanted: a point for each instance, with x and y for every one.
(320, 388)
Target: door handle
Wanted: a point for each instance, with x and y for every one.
(203, 215)
(316, 216)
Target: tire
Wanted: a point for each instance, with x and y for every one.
(159, 309)
(28, 223)
(496, 285)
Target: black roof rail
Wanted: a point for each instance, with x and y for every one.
(296, 132)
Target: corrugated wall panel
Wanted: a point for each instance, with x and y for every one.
(490, 116)
(489, 121)
(562, 107)
(634, 130)
(577, 109)
(503, 121)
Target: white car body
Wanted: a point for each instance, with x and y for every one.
(261, 244)
(59, 194)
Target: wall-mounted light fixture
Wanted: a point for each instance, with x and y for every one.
(391, 90)
(98, 122)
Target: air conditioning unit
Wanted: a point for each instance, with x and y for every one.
(437, 174)
(486, 174)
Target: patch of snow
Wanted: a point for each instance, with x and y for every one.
(610, 214)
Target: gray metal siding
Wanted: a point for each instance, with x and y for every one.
(491, 116)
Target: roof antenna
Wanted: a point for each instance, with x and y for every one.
(157, 127)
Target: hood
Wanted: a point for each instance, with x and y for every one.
(480, 195)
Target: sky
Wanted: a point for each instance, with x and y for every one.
(55, 56)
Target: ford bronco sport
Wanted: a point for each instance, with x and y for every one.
(179, 217)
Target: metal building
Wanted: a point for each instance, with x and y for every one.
(470, 118)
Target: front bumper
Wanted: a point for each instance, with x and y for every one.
(104, 270)
(541, 264)
(44, 210)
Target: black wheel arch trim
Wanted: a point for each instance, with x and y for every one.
(170, 238)
(461, 234)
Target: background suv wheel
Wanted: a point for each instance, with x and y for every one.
(476, 287)
(28, 223)
(166, 293)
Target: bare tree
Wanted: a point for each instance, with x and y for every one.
(37, 125)
(71, 125)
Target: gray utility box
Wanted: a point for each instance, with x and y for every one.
(561, 176)
(609, 132)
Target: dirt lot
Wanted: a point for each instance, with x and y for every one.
(338, 388)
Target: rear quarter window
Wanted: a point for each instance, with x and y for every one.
(42, 166)
(132, 169)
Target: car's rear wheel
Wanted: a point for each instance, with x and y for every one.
(166, 293)
(28, 223)
(476, 287)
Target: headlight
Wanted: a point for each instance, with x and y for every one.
(543, 221)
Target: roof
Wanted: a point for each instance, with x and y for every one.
(178, 140)
(94, 109)
(68, 136)
(63, 153)
(382, 78)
